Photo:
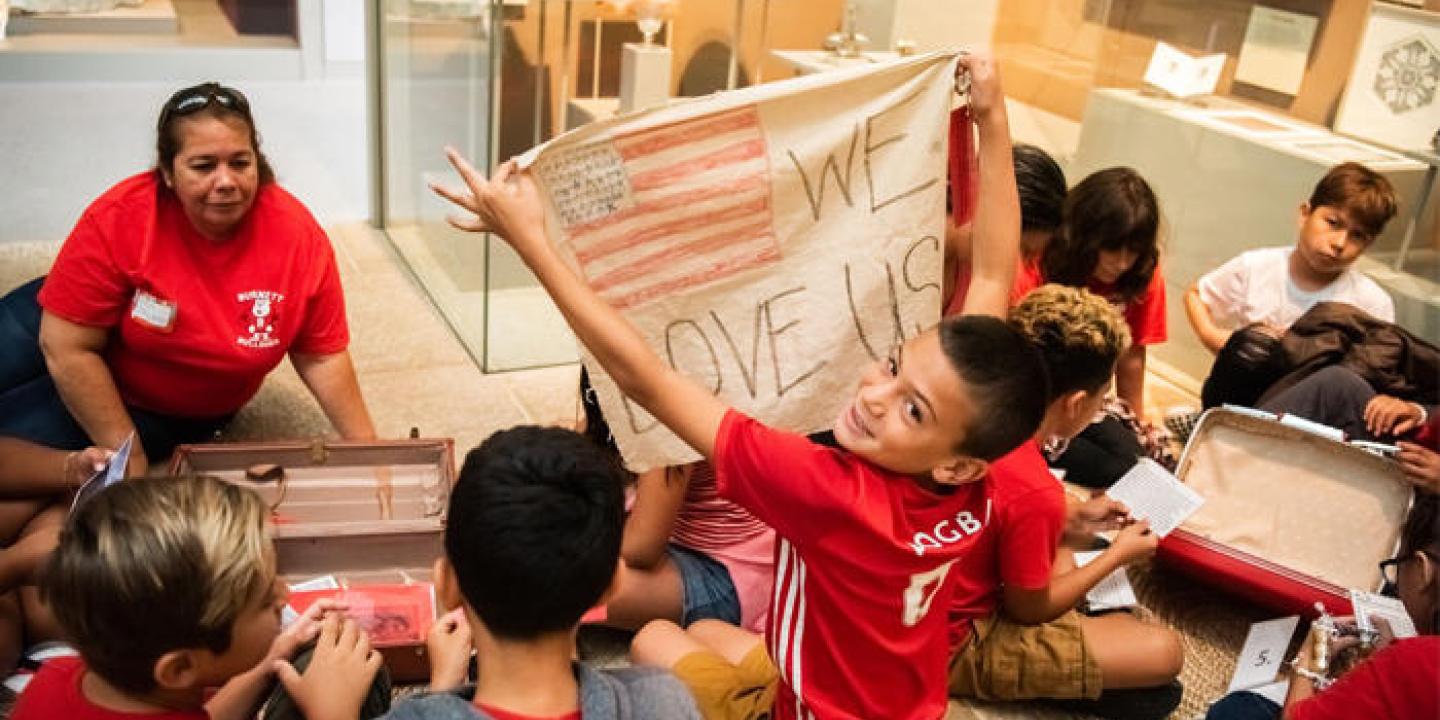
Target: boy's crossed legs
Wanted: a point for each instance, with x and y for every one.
(725, 667)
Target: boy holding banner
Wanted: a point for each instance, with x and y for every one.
(867, 533)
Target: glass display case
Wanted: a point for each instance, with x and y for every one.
(1230, 167)
(493, 79)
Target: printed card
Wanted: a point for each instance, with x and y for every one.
(1263, 653)
(112, 473)
(1153, 493)
(1112, 592)
(1368, 604)
(391, 614)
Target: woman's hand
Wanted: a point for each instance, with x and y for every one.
(81, 465)
(507, 204)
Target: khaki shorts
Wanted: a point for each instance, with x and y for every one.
(730, 692)
(1007, 661)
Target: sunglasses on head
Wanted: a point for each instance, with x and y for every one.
(202, 97)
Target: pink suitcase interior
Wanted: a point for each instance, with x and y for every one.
(1290, 517)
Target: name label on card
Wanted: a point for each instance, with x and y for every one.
(153, 312)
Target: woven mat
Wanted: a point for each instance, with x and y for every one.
(1212, 626)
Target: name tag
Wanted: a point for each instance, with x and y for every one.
(153, 312)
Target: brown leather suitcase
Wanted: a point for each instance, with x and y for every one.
(1291, 517)
(368, 513)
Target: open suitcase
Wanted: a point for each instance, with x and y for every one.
(1291, 516)
(367, 513)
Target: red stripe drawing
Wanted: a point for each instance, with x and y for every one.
(657, 212)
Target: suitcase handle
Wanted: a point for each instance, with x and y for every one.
(1312, 427)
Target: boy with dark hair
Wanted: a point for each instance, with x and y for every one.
(1016, 594)
(866, 534)
(1275, 286)
(167, 588)
(532, 542)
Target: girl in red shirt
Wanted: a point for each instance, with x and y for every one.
(1109, 243)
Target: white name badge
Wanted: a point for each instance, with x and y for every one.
(153, 312)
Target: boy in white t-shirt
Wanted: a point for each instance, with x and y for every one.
(1275, 286)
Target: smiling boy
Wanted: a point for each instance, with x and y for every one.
(866, 533)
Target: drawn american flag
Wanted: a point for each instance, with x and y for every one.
(654, 212)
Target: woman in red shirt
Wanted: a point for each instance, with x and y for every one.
(177, 292)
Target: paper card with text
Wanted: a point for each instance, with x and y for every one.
(1155, 494)
(1263, 653)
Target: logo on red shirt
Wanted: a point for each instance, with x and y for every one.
(262, 315)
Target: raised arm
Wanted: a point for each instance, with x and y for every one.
(508, 205)
(995, 250)
(73, 354)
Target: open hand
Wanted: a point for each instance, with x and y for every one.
(449, 645)
(339, 675)
(507, 204)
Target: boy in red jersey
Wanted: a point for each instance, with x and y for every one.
(1013, 619)
(867, 533)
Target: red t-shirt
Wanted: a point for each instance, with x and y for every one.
(237, 306)
(1018, 548)
(862, 559)
(1144, 314)
(55, 692)
(1401, 682)
(499, 714)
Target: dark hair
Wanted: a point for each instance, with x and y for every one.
(1004, 377)
(1078, 333)
(153, 565)
(1113, 209)
(1041, 183)
(1363, 194)
(596, 427)
(1422, 527)
(534, 529)
(215, 101)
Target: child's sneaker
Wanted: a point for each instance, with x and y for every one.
(1180, 421)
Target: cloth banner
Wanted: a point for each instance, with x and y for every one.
(770, 242)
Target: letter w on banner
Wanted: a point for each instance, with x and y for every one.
(770, 242)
